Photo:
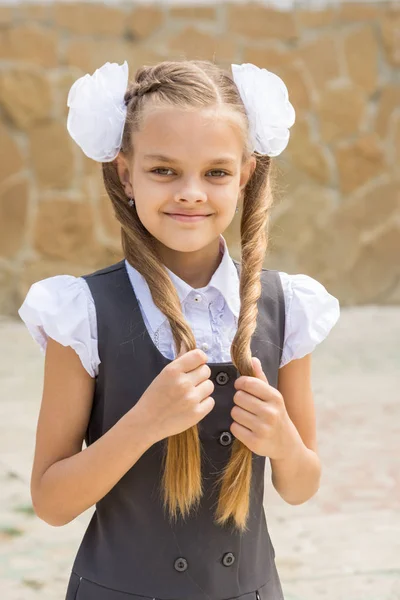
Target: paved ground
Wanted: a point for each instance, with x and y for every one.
(342, 544)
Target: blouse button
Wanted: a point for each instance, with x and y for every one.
(197, 298)
(228, 559)
(225, 438)
(204, 346)
(181, 564)
(222, 378)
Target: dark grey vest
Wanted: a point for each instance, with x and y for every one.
(130, 550)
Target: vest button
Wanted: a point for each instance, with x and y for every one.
(181, 564)
(222, 378)
(228, 559)
(225, 438)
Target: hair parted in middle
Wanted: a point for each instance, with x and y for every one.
(198, 84)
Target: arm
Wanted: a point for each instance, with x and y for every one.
(297, 477)
(67, 480)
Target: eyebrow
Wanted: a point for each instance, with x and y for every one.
(162, 158)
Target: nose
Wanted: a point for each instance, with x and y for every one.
(191, 191)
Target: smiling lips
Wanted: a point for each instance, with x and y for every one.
(187, 218)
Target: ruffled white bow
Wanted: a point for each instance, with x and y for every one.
(269, 111)
(97, 110)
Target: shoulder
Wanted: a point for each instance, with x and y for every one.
(62, 307)
(311, 312)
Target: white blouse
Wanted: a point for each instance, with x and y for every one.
(62, 307)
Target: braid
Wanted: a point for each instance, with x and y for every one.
(139, 89)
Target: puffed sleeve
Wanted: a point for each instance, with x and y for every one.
(62, 307)
(310, 312)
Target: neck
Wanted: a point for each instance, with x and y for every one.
(195, 268)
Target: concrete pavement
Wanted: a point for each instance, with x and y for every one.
(342, 544)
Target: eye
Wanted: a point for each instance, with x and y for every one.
(219, 171)
(157, 171)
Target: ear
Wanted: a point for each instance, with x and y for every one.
(124, 174)
(247, 171)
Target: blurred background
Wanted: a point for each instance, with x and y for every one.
(336, 218)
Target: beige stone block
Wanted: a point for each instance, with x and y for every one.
(312, 19)
(341, 241)
(8, 290)
(145, 20)
(359, 162)
(375, 207)
(320, 59)
(390, 27)
(361, 51)
(89, 55)
(334, 245)
(287, 178)
(397, 143)
(85, 55)
(13, 217)
(257, 21)
(299, 94)
(64, 230)
(196, 13)
(6, 15)
(306, 154)
(29, 43)
(41, 13)
(306, 207)
(388, 102)
(89, 19)
(25, 95)
(340, 112)
(52, 155)
(63, 81)
(194, 44)
(92, 167)
(143, 56)
(11, 158)
(377, 268)
(358, 11)
(267, 58)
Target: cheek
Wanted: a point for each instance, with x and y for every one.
(228, 193)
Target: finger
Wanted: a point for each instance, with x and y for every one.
(257, 366)
(245, 418)
(257, 388)
(249, 402)
(200, 374)
(243, 434)
(188, 361)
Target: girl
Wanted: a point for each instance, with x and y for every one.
(181, 368)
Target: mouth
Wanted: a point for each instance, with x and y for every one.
(187, 218)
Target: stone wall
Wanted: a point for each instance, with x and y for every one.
(337, 213)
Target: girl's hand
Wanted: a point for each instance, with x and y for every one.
(261, 421)
(179, 397)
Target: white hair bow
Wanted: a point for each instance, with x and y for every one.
(97, 110)
(269, 111)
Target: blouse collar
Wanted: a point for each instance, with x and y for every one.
(225, 280)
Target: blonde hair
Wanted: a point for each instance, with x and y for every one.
(201, 84)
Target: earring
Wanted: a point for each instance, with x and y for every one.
(237, 209)
(131, 202)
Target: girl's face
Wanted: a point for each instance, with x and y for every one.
(186, 162)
